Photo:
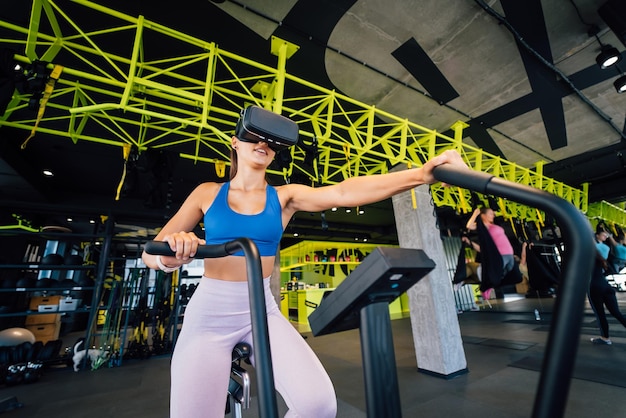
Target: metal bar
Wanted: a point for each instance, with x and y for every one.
(382, 394)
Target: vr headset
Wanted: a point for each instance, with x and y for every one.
(259, 125)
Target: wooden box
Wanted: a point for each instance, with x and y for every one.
(43, 319)
(35, 301)
(45, 332)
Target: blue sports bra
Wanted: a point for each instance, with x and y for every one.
(222, 224)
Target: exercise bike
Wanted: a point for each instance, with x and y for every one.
(560, 353)
(238, 397)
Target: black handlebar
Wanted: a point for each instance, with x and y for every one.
(204, 251)
(563, 340)
(260, 335)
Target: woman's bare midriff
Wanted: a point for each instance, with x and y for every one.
(233, 268)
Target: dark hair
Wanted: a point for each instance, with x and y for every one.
(233, 164)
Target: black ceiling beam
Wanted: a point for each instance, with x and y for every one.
(417, 62)
(528, 20)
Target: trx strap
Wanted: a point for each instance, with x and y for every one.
(54, 76)
(126, 151)
(220, 168)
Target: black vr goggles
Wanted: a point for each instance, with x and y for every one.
(259, 125)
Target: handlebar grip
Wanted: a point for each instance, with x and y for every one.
(463, 177)
(204, 251)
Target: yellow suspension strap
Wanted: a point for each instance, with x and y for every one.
(539, 223)
(524, 230)
(512, 221)
(346, 152)
(613, 229)
(463, 205)
(126, 151)
(502, 208)
(54, 76)
(220, 168)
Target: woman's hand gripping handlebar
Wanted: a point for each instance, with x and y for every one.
(260, 335)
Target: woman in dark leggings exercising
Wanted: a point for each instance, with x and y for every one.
(601, 293)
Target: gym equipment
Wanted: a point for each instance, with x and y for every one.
(26, 283)
(52, 260)
(15, 336)
(33, 371)
(340, 310)
(15, 374)
(73, 260)
(45, 283)
(563, 339)
(260, 336)
(239, 385)
(363, 299)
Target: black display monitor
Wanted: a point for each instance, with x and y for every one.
(383, 275)
(362, 301)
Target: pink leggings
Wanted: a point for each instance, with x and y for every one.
(216, 319)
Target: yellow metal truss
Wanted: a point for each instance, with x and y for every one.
(191, 102)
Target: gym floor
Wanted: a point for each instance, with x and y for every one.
(503, 346)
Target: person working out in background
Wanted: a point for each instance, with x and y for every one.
(486, 216)
(617, 255)
(601, 293)
(218, 314)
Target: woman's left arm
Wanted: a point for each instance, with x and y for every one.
(363, 190)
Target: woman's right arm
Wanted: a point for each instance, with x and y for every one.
(471, 223)
(178, 231)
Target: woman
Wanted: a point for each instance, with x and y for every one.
(601, 294)
(492, 274)
(218, 314)
(617, 256)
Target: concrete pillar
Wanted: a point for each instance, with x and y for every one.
(434, 321)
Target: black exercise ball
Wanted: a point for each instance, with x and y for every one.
(73, 260)
(52, 260)
(15, 374)
(45, 283)
(33, 371)
(67, 283)
(26, 282)
(8, 283)
(85, 282)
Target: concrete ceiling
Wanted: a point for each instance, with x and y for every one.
(523, 75)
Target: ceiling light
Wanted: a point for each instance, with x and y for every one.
(609, 56)
(348, 210)
(47, 173)
(620, 84)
